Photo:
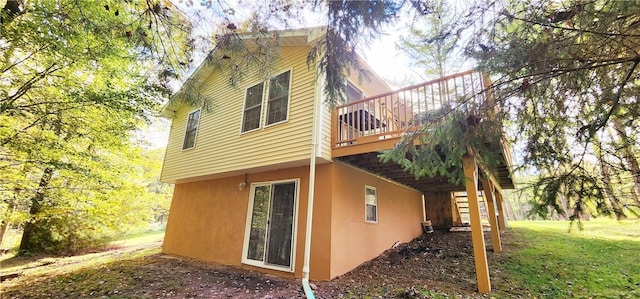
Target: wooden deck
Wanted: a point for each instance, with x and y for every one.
(363, 128)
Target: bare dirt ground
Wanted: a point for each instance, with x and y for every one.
(437, 265)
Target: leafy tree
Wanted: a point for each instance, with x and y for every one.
(461, 126)
(77, 78)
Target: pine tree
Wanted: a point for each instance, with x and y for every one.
(567, 72)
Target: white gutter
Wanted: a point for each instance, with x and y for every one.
(312, 179)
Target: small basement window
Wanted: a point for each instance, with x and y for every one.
(371, 204)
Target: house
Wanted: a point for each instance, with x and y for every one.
(273, 180)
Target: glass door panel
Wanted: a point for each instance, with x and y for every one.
(271, 227)
(259, 222)
(281, 225)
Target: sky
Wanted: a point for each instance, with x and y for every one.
(389, 62)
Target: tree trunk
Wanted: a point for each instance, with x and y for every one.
(3, 228)
(509, 210)
(4, 224)
(564, 205)
(609, 194)
(630, 158)
(33, 231)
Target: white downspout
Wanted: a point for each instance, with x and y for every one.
(312, 178)
(424, 210)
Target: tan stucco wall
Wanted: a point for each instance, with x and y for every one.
(197, 229)
(355, 241)
(320, 264)
(207, 219)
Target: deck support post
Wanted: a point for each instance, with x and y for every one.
(489, 194)
(477, 235)
(502, 217)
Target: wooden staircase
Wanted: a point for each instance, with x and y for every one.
(461, 201)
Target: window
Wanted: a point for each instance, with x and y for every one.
(278, 101)
(252, 108)
(371, 204)
(192, 130)
(353, 93)
(270, 227)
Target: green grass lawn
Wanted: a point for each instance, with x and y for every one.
(545, 260)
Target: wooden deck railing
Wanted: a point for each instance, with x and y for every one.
(391, 114)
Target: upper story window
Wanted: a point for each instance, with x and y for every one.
(192, 130)
(371, 204)
(353, 93)
(277, 102)
(252, 108)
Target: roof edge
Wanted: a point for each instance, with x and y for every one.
(313, 34)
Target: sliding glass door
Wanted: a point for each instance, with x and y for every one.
(271, 225)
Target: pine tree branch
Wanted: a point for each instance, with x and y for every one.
(615, 104)
(580, 30)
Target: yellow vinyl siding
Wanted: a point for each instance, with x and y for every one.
(220, 145)
(325, 132)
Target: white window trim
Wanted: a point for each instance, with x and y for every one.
(357, 87)
(265, 101)
(186, 127)
(266, 98)
(365, 204)
(247, 229)
(244, 106)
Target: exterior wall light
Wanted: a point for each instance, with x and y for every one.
(243, 183)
